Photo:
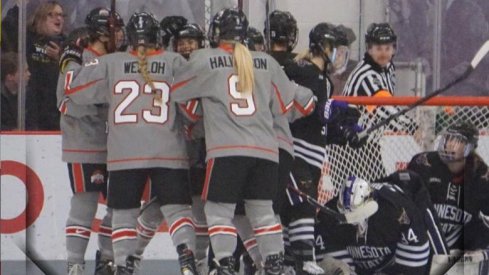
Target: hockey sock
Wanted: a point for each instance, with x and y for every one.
(105, 236)
(78, 225)
(147, 225)
(288, 255)
(246, 233)
(268, 232)
(222, 232)
(124, 234)
(202, 237)
(301, 237)
(180, 224)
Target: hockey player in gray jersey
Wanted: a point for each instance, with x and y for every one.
(144, 138)
(242, 148)
(188, 39)
(84, 144)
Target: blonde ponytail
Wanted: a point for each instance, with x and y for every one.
(143, 70)
(243, 64)
(304, 55)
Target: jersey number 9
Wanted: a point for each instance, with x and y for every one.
(242, 104)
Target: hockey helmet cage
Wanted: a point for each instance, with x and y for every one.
(283, 28)
(461, 137)
(170, 26)
(380, 33)
(354, 192)
(193, 31)
(228, 24)
(321, 34)
(97, 21)
(143, 29)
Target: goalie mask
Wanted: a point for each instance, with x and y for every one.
(457, 142)
(354, 193)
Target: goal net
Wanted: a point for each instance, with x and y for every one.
(391, 147)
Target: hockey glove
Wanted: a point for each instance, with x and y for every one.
(332, 110)
(350, 133)
(71, 52)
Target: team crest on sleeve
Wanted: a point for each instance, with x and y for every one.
(97, 177)
(403, 218)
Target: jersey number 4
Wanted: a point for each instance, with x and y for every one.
(157, 114)
(243, 104)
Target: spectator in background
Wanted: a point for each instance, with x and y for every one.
(10, 32)
(343, 65)
(44, 38)
(9, 89)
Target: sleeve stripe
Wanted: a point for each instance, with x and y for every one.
(180, 84)
(70, 91)
(484, 218)
(412, 248)
(412, 263)
(306, 110)
(283, 107)
(413, 256)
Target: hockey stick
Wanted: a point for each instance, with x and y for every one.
(481, 53)
(267, 26)
(359, 215)
(112, 21)
(240, 5)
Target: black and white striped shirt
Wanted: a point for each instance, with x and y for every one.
(368, 78)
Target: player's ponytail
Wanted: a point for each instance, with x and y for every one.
(143, 70)
(243, 64)
(304, 55)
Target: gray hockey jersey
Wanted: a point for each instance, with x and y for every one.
(236, 124)
(83, 128)
(143, 131)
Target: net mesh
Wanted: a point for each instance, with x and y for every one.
(391, 147)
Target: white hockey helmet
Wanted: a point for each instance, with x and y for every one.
(354, 193)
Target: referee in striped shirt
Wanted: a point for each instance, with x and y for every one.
(375, 75)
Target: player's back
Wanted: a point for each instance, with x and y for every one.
(235, 123)
(143, 126)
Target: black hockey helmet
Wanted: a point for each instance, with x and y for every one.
(283, 28)
(170, 26)
(380, 33)
(461, 137)
(143, 29)
(97, 21)
(320, 35)
(193, 31)
(79, 36)
(253, 37)
(228, 24)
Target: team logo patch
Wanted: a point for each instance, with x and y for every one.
(404, 219)
(97, 177)
(452, 192)
(434, 180)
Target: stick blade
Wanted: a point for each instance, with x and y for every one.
(362, 213)
(480, 55)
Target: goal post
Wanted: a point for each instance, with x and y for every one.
(391, 147)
